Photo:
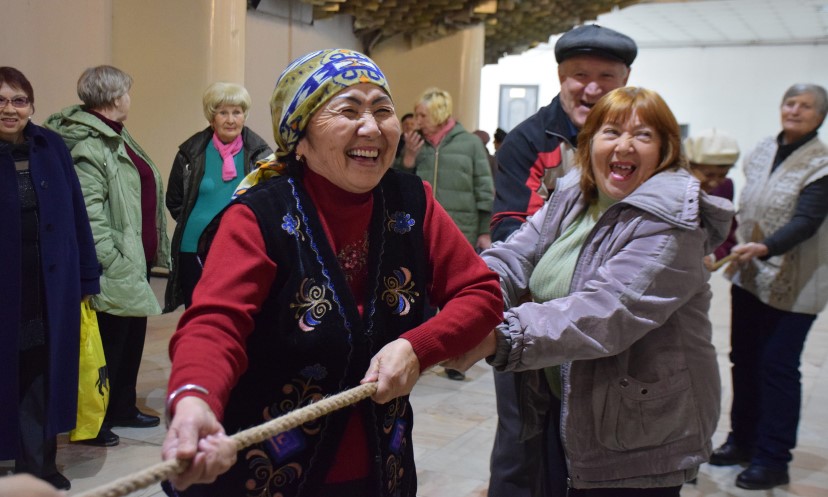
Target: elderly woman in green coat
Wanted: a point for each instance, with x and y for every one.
(456, 164)
(454, 161)
(124, 198)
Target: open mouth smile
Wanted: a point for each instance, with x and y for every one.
(622, 170)
(364, 153)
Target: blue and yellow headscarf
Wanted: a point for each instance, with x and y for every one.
(303, 88)
(308, 83)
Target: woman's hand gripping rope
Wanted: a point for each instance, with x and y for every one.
(195, 425)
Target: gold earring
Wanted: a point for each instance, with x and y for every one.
(298, 157)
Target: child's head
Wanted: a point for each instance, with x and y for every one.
(711, 154)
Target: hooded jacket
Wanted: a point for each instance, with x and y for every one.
(459, 173)
(640, 380)
(112, 193)
(182, 192)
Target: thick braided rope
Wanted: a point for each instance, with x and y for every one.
(164, 470)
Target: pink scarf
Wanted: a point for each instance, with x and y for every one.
(441, 133)
(228, 168)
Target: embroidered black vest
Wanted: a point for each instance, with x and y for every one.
(310, 341)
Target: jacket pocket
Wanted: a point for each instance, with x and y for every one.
(126, 292)
(631, 414)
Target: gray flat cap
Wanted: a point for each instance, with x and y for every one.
(592, 39)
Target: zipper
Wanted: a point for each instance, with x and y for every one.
(565, 367)
(436, 166)
(565, 413)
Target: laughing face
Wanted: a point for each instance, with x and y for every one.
(13, 119)
(352, 139)
(584, 79)
(624, 155)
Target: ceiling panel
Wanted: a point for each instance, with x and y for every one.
(722, 22)
(513, 26)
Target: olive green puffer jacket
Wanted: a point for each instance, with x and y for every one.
(458, 171)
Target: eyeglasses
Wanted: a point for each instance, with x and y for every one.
(19, 102)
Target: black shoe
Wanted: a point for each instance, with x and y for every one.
(58, 481)
(761, 478)
(455, 375)
(105, 438)
(728, 455)
(140, 420)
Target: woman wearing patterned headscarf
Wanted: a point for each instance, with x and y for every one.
(316, 281)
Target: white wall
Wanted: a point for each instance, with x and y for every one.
(271, 44)
(40, 39)
(452, 64)
(737, 89)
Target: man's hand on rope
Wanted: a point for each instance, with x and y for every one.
(196, 434)
(395, 368)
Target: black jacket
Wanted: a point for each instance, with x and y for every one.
(527, 153)
(182, 192)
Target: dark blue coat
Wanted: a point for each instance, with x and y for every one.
(70, 269)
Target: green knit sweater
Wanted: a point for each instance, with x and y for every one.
(552, 276)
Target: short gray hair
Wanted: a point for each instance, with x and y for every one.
(221, 93)
(817, 91)
(98, 87)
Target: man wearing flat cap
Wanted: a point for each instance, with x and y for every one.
(592, 61)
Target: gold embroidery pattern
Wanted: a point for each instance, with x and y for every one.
(394, 412)
(266, 479)
(301, 392)
(311, 305)
(399, 293)
(395, 472)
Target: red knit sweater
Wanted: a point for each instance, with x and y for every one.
(208, 349)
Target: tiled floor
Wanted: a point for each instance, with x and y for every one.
(455, 422)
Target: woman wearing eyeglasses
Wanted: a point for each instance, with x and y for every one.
(49, 265)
